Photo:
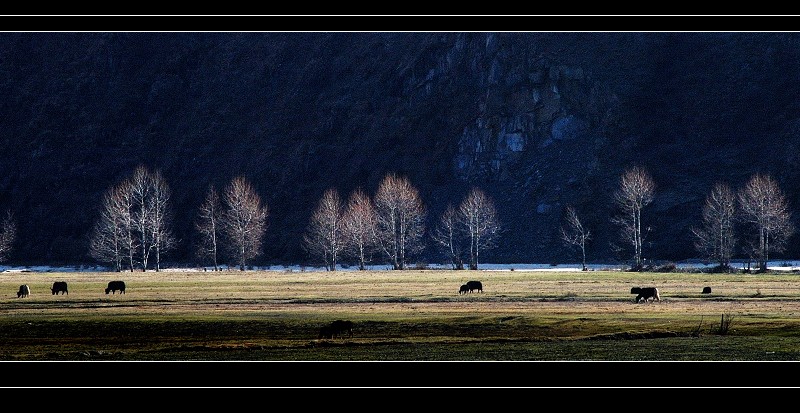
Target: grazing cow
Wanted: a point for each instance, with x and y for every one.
(24, 291)
(464, 289)
(636, 290)
(474, 285)
(340, 327)
(706, 290)
(646, 293)
(325, 332)
(336, 328)
(59, 287)
(115, 286)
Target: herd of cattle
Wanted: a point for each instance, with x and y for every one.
(643, 293)
(339, 328)
(60, 288)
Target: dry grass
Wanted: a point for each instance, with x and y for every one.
(276, 315)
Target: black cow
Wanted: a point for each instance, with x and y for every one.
(340, 327)
(474, 285)
(706, 290)
(464, 289)
(59, 287)
(24, 291)
(336, 328)
(646, 293)
(115, 286)
(325, 332)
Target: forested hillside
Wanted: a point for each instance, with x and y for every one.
(537, 120)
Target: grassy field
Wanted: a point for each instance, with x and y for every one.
(402, 316)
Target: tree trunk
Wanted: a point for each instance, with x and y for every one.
(583, 252)
(477, 248)
(361, 266)
(638, 238)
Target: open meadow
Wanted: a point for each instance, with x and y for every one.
(415, 315)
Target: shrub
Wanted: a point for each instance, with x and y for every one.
(724, 325)
(668, 267)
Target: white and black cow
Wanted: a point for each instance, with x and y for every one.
(24, 291)
(645, 293)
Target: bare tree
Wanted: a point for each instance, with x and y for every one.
(400, 219)
(134, 222)
(245, 220)
(359, 225)
(751, 251)
(447, 235)
(149, 197)
(716, 238)
(574, 234)
(324, 237)
(636, 191)
(479, 217)
(108, 241)
(105, 246)
(113, 239)
(208, 224)
(8, 234)
(123, 198)
(765, 208)
(159, 227)
(140, 187)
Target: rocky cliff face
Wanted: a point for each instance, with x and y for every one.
(538, 120)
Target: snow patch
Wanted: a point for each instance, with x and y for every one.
(778, 265)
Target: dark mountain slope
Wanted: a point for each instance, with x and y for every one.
(539, 120)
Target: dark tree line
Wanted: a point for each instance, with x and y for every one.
(8, 234)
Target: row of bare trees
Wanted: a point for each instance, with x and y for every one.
(759, 208)
(236, 224)
(474, 222)
(134, 224)
(133, 230)
(392, 225)
(635, 191)
(135, 220)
